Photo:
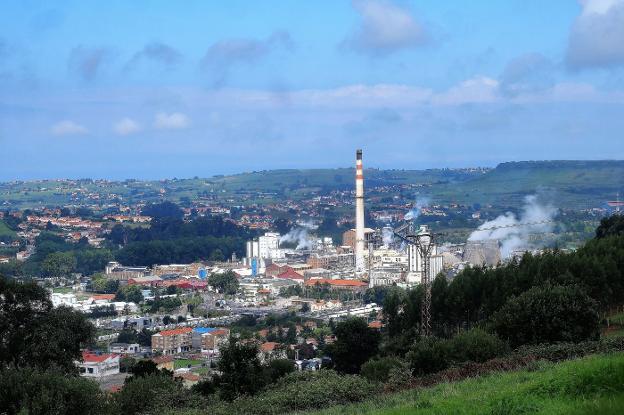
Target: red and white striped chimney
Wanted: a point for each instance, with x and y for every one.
(359, 213)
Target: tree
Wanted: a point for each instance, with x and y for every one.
(129, 293)
(59, 264)
(153, 393)
(354, 345)
(548, 314)
(278, 368)
(163, 210)
(128, 336)
(429, 355)
(226, 282)
(35, 334)
(241, 371)
(613, 225)
(36, 391)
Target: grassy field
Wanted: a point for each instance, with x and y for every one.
(6, 232)
(184, 363)
(592, 385)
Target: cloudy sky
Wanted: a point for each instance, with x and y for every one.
(156, 89)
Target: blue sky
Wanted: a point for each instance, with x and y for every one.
(156, 89)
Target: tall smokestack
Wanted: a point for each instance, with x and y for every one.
(359, 213)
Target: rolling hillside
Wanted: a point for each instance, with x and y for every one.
(574, 184)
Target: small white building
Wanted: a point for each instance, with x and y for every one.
(98, 365)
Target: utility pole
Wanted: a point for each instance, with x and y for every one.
(424, 243)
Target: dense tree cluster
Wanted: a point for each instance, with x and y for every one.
(34, 334)
(226, 282)
(173, 240)
(476, 294)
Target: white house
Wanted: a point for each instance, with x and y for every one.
(98, 365)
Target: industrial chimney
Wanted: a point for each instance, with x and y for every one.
(359, 214)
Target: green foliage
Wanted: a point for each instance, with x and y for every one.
(476, 345)
(6, 234)
(128, 336)
(565, 350)
(477, 293)
(37, 392)
(226, 282)
(164, 304)
(35, 334)
(277, 369)
(144, 368)
(59, 264)
(241, 371)
(101, 284)
(304, 391)
(170, 240)
(519, 392)
(610, 226)
(379, 369)
(154, 393)
(355, 344)
(548, 314)
(431, 354)
(130, 293)
(163, 210)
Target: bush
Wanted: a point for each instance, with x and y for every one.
(564, 351)
(48, 392)
(302, 391)
(548, 314)
(429, 355)
(153, 393)
(378, 369)
(476, 345)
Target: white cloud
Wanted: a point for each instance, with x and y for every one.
(67, 127)
(597, 36)
(386, 27)
(172, 121)
(476, 90)
(126, 126)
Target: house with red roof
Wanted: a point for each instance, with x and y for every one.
(98, 364)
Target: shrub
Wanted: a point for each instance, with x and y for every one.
(153, 393)
(429, 355)
(548, 314)
(564, 351)
(48, 392)
(378, 369)
(302, 391)
(476, 345)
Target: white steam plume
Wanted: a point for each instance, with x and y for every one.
(515, 237)
(300, 235)
(415, 212)
(387, 235)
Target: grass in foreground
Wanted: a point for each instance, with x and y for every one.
(592, 385)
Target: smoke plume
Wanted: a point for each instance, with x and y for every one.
(511, 236)
(300, 235)
(387, 235)
(415, 212)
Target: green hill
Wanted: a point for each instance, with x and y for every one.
(6, 233)
(592, 385)
(574, 184)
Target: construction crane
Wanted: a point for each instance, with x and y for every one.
(423, 239)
